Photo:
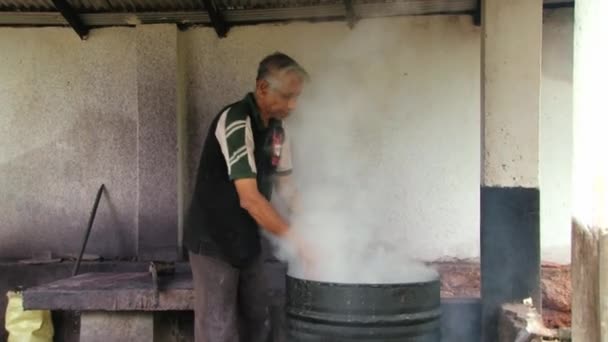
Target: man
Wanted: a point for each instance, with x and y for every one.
(246, 151)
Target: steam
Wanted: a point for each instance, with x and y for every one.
(350, 166)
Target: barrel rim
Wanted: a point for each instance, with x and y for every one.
(395, 319)
(369, 285)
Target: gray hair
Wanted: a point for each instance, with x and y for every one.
(279, 63)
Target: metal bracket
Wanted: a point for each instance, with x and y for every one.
(351, 16)
(217, 18)
(71, 16)
(477, 14)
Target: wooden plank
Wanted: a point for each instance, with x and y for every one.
(585, 283)
(603, 284)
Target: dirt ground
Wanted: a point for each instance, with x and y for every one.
(462, 279)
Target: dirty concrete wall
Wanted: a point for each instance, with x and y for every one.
(67, 124)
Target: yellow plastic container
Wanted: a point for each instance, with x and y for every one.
(27, 325)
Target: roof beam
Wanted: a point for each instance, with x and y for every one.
(351, 17)
(217, 18)
(71, 16)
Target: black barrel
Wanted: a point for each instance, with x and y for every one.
(339, 312)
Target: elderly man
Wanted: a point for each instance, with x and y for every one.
(246, 152)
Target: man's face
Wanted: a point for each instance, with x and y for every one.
(279, 99)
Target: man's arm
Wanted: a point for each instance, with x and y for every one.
(259, 208)
(288, 192)
(267, 217)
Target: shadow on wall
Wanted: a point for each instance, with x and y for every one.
(557, 61)
(49, 190)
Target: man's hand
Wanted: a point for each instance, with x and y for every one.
(305, 253)
(268, 218)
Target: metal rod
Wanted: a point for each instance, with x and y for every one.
(88, 231)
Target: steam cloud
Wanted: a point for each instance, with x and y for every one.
(348, 157)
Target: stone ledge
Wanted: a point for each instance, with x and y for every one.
(522, 323)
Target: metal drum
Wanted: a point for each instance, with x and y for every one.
(340, 312)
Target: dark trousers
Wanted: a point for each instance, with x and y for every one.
(230, 304)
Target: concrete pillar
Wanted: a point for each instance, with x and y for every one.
(510, 234)
(157, 151)
(100, 326)
(590, 172)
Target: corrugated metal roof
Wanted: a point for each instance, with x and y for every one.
(154, 5)
(29, 5)
(131, 12)
(103, 5)
(192, 5)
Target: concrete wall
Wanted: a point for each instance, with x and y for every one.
(69, 120)
(556, 135)
(67, 125)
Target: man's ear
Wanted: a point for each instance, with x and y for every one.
(262, 86)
